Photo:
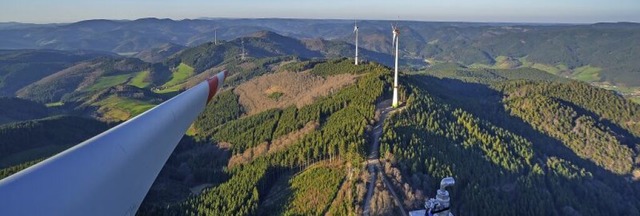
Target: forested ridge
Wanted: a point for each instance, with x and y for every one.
(517, 147)
(15, 109)
(24, 143)
(57, 130)
(342, 117)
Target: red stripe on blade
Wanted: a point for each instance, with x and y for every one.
(213, 87)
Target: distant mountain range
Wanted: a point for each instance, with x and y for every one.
(602, 52)
(113, 87)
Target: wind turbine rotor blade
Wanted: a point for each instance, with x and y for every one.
(111, 173)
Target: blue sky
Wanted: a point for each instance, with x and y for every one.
(547, 11)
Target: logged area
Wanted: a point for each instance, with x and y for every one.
(283, 89)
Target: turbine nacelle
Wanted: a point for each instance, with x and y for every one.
(396, 33)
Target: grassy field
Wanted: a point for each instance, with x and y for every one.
(181, 74)
(587, 74)
(504, 62)
(168, 90)
(127, 53)
(55, 104)
(557, 69)
(122, 108)
(109, 81)
(139, 80)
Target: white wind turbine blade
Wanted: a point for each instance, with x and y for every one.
(111, 173)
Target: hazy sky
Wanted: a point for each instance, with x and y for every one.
(566, 11)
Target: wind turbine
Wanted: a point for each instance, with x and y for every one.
(355, 30)
(243, 54)
(396, 34)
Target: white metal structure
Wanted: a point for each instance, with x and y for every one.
(441, 205)
(355, 30)
(243, 54)
(111, 173)
(396, 35)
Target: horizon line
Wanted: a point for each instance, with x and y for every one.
(320, 19)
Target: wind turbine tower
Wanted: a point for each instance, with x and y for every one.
(396, 34)
(215, 37)
(243, 54)
(355, 30)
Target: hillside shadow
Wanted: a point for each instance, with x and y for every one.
(486, 104)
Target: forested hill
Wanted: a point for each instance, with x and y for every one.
(30, 140)
(19, 68)
(602, 52)
(255, 168)
(77, 80)
(15, 109)
(517, 147)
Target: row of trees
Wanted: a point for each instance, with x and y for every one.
(345, 66)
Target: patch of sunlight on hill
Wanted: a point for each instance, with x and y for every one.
(109, 81)
(191, 131)
(168, 90)
(55, 104)
(139, 80)
(481, 66)
(181, 74)
(543, 67)
(587, 73)
(118, 108)
(128, 54)
(502, 62)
